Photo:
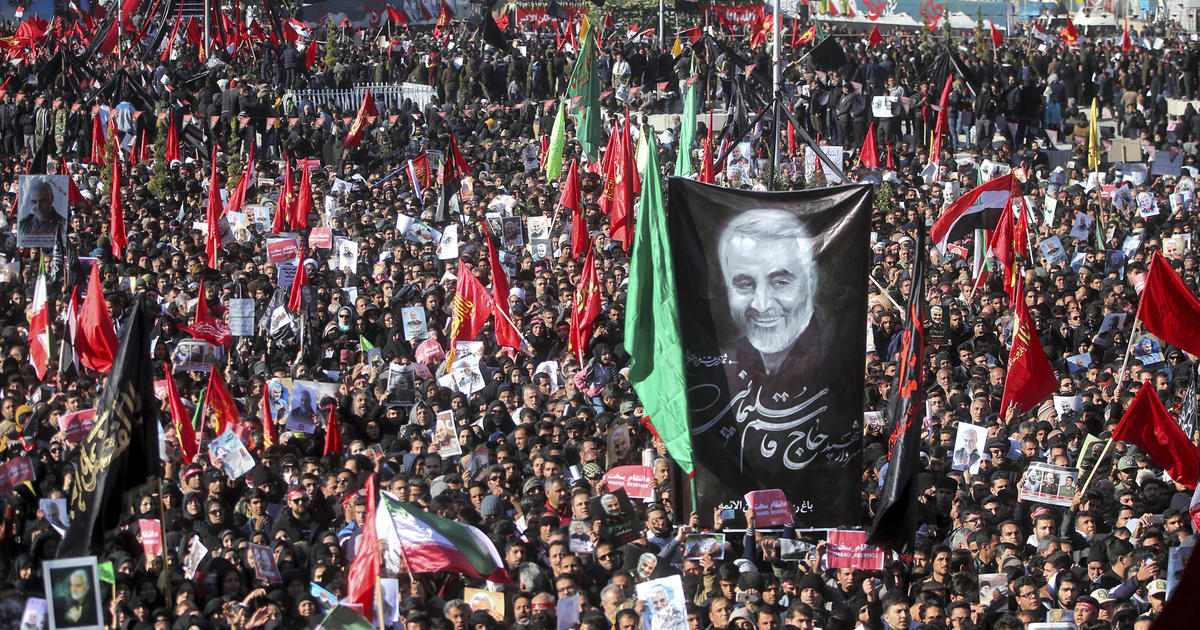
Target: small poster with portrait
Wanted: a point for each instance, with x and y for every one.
(579, 536)
(445, 435)
(491, 602)
(993, 589)
(697, 546)
(538, 227)
(968, 447)
(305, 407)
(229, 450)
(617, 518)
(415, 326)
(1148, 350)
(195, 555)
(264, 564)
(1046, 483)
(665, 604)
(73, 591)
(194, 355)
(1081, 229)
(1052, 249)
(34, 615)
(41, 209)
(511, 235)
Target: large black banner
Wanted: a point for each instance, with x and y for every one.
(772, 292)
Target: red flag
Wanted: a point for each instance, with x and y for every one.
(116, 215)
(310, 54)
(364, 569)
(304, 202)
(506, 332)
(891, 166)
(367, 108)
(166, 54)
(396, 17)
(268, 422)
(283, 208)
(620, 195)
(707, 176)
(333, 432)
(220, 401)
(874, 38)
(1068, 33)
(213, 214)
(586, 307)
(471, 308)
(189, 445)
(95, 339)
(997, 36)
(172, 152)
(935, 153)
(144, 154)
(693, 34)
(1148, 425)
(205, 326)
(457, 159)
(869, 156)
(1126, 42)
(98, 143)
(1030, 378)
(296, 297)
(238, 197)
(502, 22)
(1168, 309)
(570, 199)
(443, 23)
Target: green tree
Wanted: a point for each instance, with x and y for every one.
(160, 174)
(983, 38)
(331, 44)
(233, 168)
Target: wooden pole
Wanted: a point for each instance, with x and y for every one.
(1108, 413)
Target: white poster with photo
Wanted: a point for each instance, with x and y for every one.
(231, 454)
(304, 407)
(465, 373)
(73, 592)
(968, 447)
(447, 248)
(415, 325)
(346, 255)
(537, 227)
(41, 209)
(665, 604)
(1081, 229)
(445, 435)
(1052, 249)
(195, 555)
(835, 155)
(34, 615)
(416, 230)
(881, 106)
(194, 355)
(264, 564)
(1046, 483)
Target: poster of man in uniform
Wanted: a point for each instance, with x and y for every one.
(666, 605)
(41, 209)
(774, 284)
(1046, 483)
(73, 590)
(968, 447)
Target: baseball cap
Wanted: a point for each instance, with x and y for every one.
(1157, 587)
(1101, 596)
(1126, 463)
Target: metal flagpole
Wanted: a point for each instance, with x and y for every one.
(776, 92)
(661, 26)
(207, 13)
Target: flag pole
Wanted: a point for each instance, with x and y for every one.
(379, 601)
(162, 539)
(1108, 412)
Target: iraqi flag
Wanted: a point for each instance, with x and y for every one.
(979, 209)
(430, 543)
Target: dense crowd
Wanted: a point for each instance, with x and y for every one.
(539, 434)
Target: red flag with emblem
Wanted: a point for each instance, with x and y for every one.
(268, 422)
(218, 399)
(585, 308)
(367, 108)
(1030, 378)
(1068, 33)
(472, 305)
(205, 326)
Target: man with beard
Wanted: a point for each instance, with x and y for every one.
(76, 606)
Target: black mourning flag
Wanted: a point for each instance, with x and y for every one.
(493, 35)
(826, 56)
(120, 451)
(774, 285)
(687, 6)
(897, 514)
(556, 11)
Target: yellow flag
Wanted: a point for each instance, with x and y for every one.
(676, 48)
(1094, 138)
(584, 26)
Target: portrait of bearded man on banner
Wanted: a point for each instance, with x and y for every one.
(771, 282)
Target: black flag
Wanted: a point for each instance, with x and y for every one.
(773, 284)
(897, 512)
(493, 35)
(556, 11)
(121, 450)
(827, 56)
(1187, 410)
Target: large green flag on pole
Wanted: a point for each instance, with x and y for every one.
(554, 154)
(652, 320)
(687, 132)
(583, 93)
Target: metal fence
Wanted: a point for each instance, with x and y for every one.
(387, 95)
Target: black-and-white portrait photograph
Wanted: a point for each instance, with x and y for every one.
(41, 209)
(774, 284)
(73, 590)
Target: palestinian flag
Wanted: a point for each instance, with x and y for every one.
(431, 543)
(979, 209)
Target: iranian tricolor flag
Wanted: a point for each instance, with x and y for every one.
(430, 543)
(39, 326)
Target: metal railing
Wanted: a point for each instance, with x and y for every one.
(387, 96)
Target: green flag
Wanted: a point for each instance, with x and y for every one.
(105, 571)
(554, 154)
(365, 345)
(652, 321)
(198, 414)
(583, 93)
(687, 133)
(343, 618)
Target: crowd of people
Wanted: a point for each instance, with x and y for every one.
(539, 431)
